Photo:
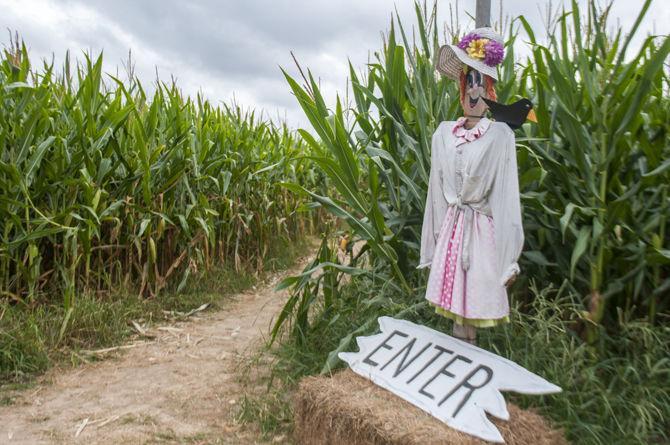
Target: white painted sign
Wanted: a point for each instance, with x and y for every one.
(453, 380)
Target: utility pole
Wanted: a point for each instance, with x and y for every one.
(483, 13)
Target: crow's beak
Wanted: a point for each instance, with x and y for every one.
(531, 116)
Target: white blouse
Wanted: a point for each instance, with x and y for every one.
(477, 176)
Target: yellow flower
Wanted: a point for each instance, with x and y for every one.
(476, 48)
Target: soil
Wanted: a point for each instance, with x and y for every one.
(181, 386)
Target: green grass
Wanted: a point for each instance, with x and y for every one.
(270, 412)
(32, 339)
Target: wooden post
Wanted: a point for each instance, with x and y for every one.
(483, 13)
(468, 333)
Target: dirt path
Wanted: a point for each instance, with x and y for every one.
(180, 387)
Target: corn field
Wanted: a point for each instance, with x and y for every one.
(103, 186)
(596, 169)
(591, 306)
(594, 173)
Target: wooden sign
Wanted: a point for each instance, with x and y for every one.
(453, 380)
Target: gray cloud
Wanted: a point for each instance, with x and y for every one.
(232, 48)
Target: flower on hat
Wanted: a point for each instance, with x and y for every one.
(488, 51)
(465, 41)
(476, 48)
(494, 53)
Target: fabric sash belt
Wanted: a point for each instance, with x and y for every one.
(469, 207)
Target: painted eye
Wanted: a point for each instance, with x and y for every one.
(472, 79)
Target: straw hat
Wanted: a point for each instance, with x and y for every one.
(481, 49)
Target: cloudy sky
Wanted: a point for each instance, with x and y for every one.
(232, 49)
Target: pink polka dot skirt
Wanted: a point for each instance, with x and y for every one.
(475, 294)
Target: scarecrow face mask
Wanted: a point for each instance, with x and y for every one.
(475, 89)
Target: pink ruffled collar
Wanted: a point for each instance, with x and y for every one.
(464, 135)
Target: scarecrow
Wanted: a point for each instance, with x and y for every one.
(472, 234)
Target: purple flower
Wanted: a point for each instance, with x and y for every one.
(465, 41)
(494, 53)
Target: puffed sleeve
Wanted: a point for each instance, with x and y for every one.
(505, 204)
(436, 205)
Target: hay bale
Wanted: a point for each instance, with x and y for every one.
(348, 409)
